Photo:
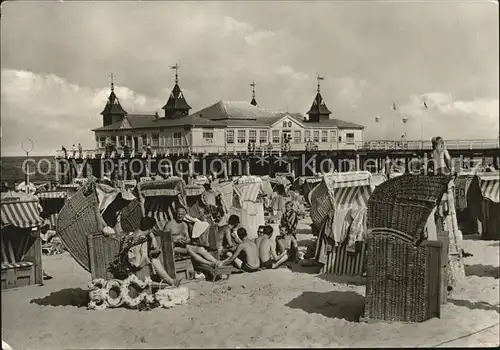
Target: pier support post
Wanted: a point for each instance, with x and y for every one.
(247, 167)
(358, 165)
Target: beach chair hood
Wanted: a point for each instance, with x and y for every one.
(20, 210)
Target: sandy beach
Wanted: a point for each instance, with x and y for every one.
(278, 308)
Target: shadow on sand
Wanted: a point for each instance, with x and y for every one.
(349, 280)
(65, 297)
(479, 305)
(482, 271)
(343, 305)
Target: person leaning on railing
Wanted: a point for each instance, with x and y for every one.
(440, 156)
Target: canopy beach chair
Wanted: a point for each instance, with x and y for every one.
(20, 234)
(338, 213)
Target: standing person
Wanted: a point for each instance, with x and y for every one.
(64, 151)
(290, 218)
(80, 150)
(440, 156)
(74, 151)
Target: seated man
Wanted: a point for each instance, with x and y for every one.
(178, 228)
(147, 252)
(261, 235)
(246, 256)
(286, 243)
(267, 251)
(179, 231)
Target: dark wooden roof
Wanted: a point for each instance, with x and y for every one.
(318, 106)
(113, 106)
(148, 121)
(176, 100)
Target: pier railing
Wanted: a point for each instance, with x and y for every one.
(277, 149)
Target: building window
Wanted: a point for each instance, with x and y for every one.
(208, 136)
(349, 137)
(242, 136)
(155, 140)
(296, 136)
(229, 136)
(144, 140)
(252, 136)
(307, 136)
(324, 135)
(102, 142)
(333, 136)
(177, 138)
(316, 136)
(276, 136)
(263, 136)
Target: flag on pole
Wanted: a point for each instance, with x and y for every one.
(393, 106)
(425, 105)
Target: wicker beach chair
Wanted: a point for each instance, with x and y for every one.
(405, 202)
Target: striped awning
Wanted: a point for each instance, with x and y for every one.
(23, 214)
(490, 188)
(51, 194)
(247, 191)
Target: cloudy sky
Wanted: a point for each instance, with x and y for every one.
(56, 58)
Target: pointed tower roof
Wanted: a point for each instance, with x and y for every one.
(254, 101)
(176, 104)
(318, 106)
(113, 105)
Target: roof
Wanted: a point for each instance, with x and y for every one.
(253, 102)
(176, 100)
(147, 121)
(318, 106)
(323, 122)
(234, 110)
(113, 105)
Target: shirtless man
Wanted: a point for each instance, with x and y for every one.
(287, 243)
(180, 236)
(226, 237)
(179, 231)
(246, 256)
(267, 251)
(260, 235)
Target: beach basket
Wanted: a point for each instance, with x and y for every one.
(404, 203)
(79, 217)
(402, 280)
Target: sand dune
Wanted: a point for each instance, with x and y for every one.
(280, 308)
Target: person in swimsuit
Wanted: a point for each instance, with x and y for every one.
(229, 243)
(267, 251)
(440, 156)
(287, 243)
(246, 256)
(147, 253)
(179, 231)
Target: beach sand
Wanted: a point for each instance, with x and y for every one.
(278, 308)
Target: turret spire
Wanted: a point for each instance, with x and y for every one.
(318, 109)
(113, 111)
(176, 105)
(254, 101)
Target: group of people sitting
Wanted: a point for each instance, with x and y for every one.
(232, 244)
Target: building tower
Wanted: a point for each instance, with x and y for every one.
(113, 112)
(176, 105)
(254, 101)
(318, 110)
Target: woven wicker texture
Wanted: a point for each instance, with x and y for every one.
(102, 251)
(77, 219)
(404, 203)
(401, 284)
(130, 216)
